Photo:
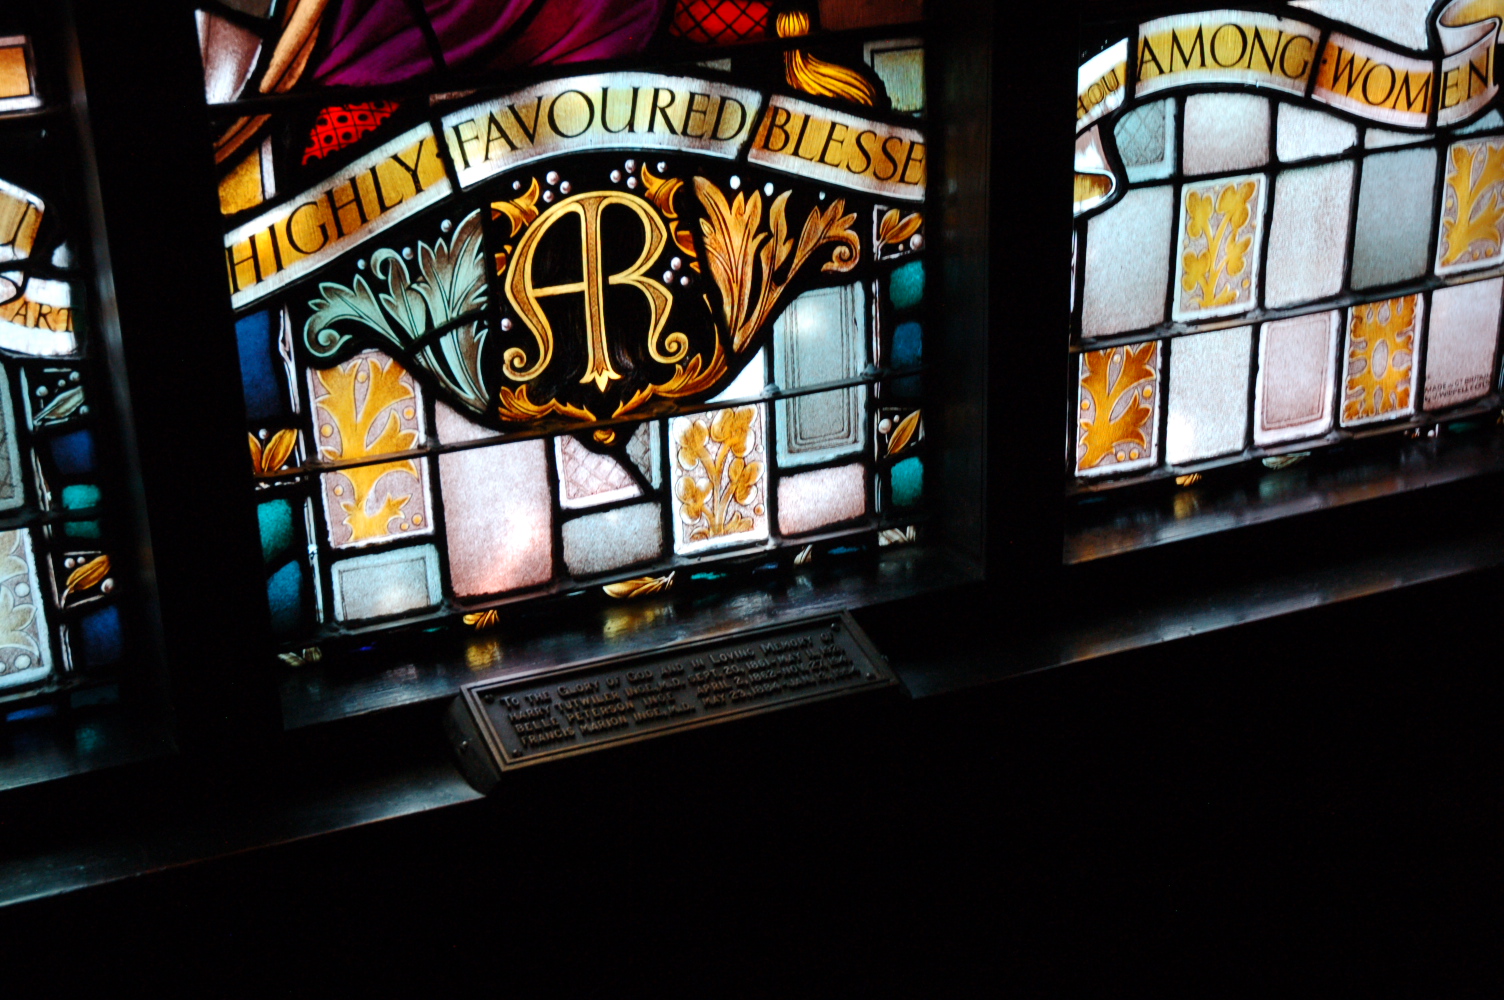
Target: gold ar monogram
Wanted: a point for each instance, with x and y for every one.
(524, 295)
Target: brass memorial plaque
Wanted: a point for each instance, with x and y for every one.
(499, 725)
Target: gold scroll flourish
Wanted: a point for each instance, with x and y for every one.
(516, 406)
(661, 192)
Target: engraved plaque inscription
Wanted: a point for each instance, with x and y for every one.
(499, 725)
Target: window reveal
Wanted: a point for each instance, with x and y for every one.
(1272, 269)
(596, 330)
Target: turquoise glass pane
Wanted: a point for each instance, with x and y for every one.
(278, 531)
(907, 479)
(80, 496)
(906, 286)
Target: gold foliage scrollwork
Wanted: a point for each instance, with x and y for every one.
(742, 257)
(661, 192)
(516, 406)
(519, 211)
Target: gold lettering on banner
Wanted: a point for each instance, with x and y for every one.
(634, 111)
(1378, 85)
(1230, 46)
(820, 144)
(37, 315)
(524, 294)
(365, 198)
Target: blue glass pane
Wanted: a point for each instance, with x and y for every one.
(74, 453)
(906, 286)
(99, 635)
(908, 345)
(284, 592)
(277, 531)
(260, 367)
(907, 478)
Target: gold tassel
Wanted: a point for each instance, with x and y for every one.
(816, 76)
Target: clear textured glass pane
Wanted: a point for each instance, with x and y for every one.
(498, 515)
(1460, 345)
(1208, 403)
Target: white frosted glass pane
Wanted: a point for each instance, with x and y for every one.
(644, 450)
(1303, 134)
(1492, 120)
(1225, 132)
(813, 500)
(12, 490)
(454, 428)
(1395, 209)
(1404, 21)
(1460, 344)
(900, 66)
(229, 53)
(749, 382)
(498, 515)
(1146, 141)
(1378, 138)
(820, 339)
(1308, 234)
(588, 478)
(1128, 263)
(599, 543)
(1208, 395)
(1383, 344)
(386, 583)
(1295, 386)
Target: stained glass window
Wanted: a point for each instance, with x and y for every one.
(62, 621)
(1288, 250)
(530, 332)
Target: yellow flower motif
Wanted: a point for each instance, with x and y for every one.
(720, 485)
(730, 428)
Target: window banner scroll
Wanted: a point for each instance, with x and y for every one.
(588, 249)
(1372, 82)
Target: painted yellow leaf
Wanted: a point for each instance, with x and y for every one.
(639, 587)
(907, 428)
(90, 574)
(896, 231)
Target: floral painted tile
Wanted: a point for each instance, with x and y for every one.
(365, 407)
(1220, 228)
(1472, 207)
(1118, 410)
(1382, 341)
(720, 474)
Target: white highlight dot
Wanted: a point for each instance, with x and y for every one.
(677, 264)
(767, 189)
(552, 177)
(616, 177)
(736, 182)
(631, 182)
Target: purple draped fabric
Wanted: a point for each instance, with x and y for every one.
(378, 41)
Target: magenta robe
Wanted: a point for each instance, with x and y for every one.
(378, 41)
